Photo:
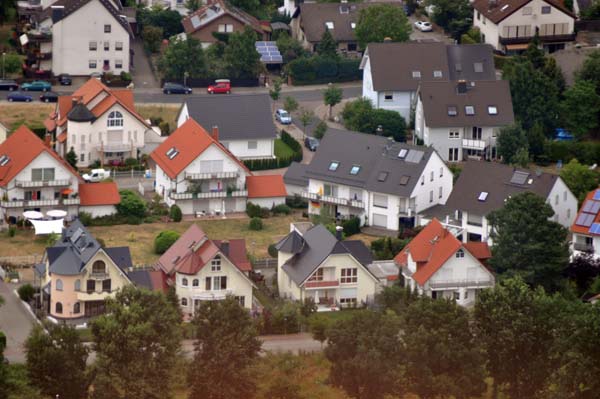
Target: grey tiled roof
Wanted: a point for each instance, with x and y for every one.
(295, 175)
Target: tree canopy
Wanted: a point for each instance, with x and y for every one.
(168, 20)
(240, 56)
(380, 21)
(580, 108)
(332, 96)
(359, 115)
(327, 47)
(579, 178)
(510, 140)
(181, 57)
(455, 16)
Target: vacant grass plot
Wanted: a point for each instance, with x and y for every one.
(168, 112)
(13, 115)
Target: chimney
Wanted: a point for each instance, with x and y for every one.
(461, 88)
(338, 232)
(493, 4)
(225, 247)
(215, 132)
(57, 13)
(48, 140)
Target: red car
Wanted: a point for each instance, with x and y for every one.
(221, 86)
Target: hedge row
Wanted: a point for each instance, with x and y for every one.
(276, 163)
(317, 69)
(585, 152)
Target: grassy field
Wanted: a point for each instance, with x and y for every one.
(14, 115)
(140, 239)
(168, 112)
(282, 150)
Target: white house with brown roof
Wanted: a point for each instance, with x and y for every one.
(199, 174)
(438, 265)
(461, 120)
(100, 124)
(509, 25)
(202, 269)
(80, 37)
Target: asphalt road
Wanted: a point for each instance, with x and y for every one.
(15, 322)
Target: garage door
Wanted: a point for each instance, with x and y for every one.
(379, 220)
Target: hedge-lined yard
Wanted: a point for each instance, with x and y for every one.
(287, 150)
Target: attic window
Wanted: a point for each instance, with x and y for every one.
(452, 111)
(404, 180)
(355, 169)
(478, 67)
(492, 110)
(437, 74)
(329, 25)
(382, 176)
(172, 153)
(353, 25)
(4, 159)
(333, 166)
(344, 9)
(402, 153)
(416, 74)
(504, 8)
(482, 196)
(469, 110)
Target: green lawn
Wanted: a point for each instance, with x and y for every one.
(282, 150)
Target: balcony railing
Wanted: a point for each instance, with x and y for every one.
(214, 194)
(120, 147)
(209, 176)
(472, 144)
(333, 200)
(543, 38)
(322, 284)
(48, 183)
(583, 247)
(43, 202)
(460, 283)
(19, 203)
(99, 276)
(70, 201)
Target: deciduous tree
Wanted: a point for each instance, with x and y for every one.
(181, 57)
(579, 178)
(590, 70)
(377, 22)
(275, 90)
(152, 36)
(509, 141)
(455, 16)
(327, 47)
(583, 269)
(290, 104)
(332, 96)
(580, 108)
(240, 56)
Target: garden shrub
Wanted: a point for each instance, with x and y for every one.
(281, 209)
(26, 292)
(252, 210)
(175, 213)
(296, 202)
(12, 231)
(131, 204)
(164, 240)
(256, 224)
(351, 226)
(85, 218)
(272, 251)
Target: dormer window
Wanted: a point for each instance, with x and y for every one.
(460, 253)
(470, 110)
(437, 74)
(452, 111)
(172, 153)
(416, 74)
(333, 166)
(492, 110)
(355, 169)
(478, 67)
(329, 25)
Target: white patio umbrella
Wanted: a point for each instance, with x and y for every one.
(56, 213)
(317, 297)
(33, 215)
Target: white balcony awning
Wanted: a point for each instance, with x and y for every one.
(43, 227)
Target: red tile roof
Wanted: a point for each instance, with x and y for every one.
(99, 194)
(236, 253)
(265, 186)
(480, 250)
(575, 228)
(228, 9)
(191, 140)
(432, 247)
(22, 147)
(159, 281)
(61, 138)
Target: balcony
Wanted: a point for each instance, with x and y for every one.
(93, 295)
(543, 38)
(70, 201)
(447, 284)
(583, 247)
(99, 276)
(40, 35)
(20, 203)
(211, 295)
(47, 183)
(213, 194)
(116, 147)
(321, 284)
(209, 176)
(472, 144)
(333, 200)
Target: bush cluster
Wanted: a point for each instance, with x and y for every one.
(320, 69)
(255, 224)
(175, 213)
(351, 226)
(281, 209)
(387, 247)
(164, 240)
(26, 292)
(255, 211)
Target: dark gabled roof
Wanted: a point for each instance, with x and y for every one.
(495, 180)
(80, 113)
(319, 243)
(377, 156)
(209, 13)
(141, 278)
(71, 6)
(239, 117)
(72, 251)
(121, 256)
(462, 59)
(291, 244)
(502, 9)
(296, 175)
(438, 96)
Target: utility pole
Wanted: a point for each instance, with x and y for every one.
(3, 73)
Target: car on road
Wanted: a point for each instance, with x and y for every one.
(176, 88)
(221, 86)
(36, 85)
(283, 117)
(49, 97)
(311, 143)
(64, 79)
(96, 175)
(423, 26)
(8, 84)
(19, 96)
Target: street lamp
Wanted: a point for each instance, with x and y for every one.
(3, 56)
(185, 76)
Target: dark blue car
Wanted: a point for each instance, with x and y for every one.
(176, 88)
(19, 96)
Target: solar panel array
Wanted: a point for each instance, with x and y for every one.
(595, 228)
(519, 177)
(591, 206)
(585, 219)
(269, 53)
(597, 195)
(414, 156)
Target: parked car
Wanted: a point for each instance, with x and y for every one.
(8, 84)
(423, 26)
(96, 75)
(36, 85)
(49, 97)
(283, 116)
(96, 175)
(19, 96)
(64, 79)
(176, 88)
(221, 86)
(311, 143)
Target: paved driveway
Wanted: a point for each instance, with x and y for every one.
(15, 322)
(142, 74)
(436, 35)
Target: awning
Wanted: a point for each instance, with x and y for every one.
(43, 227)
(522, 46)
(66, 191)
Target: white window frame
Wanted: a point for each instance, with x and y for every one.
(114, 120)
(349, 275)
(252, 144)
(92, 64)
(215, 264)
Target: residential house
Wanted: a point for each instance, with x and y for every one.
(34, 177)
(483, 187)
(438, 265)
(384, 183)
(198, 173)
(311, 20)
(202, 269)
(586, 228)
(245, 122)
(295, 179)
(509, 25)
(177, 5)
(219, 17)
(100, 124)
(392, 72)
(461, 119)
(79, 37)
(316, 264)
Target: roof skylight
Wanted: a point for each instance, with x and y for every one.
(355, 169)
(333, 166)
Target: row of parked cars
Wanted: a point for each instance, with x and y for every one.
(221, 86)
(21, 92)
